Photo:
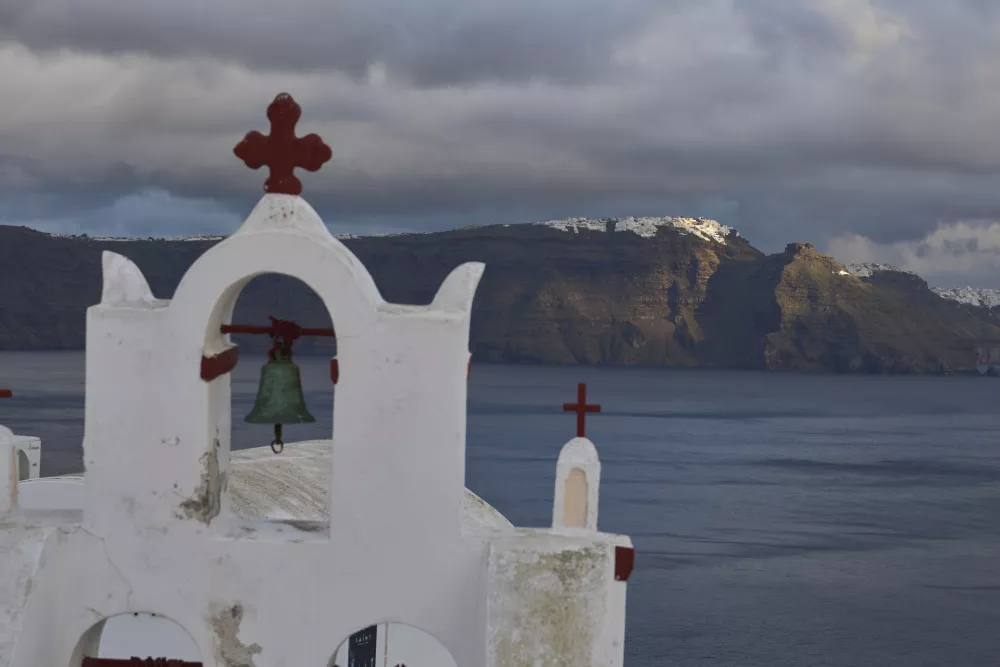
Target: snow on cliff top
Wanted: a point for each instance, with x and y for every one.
(127, 239)
(866, 269)
(708, 230)
(703, 228)
(974, 296)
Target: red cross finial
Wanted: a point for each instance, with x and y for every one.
(281, 150)
(581, 408)
(6, 393)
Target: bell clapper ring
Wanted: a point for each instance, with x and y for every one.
(277, 445)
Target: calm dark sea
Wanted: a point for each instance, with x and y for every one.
(779, 520)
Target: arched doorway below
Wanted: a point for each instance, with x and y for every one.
(138, 639)
(391, 645)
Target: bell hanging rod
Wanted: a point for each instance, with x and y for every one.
(282, 332)
(284, 329)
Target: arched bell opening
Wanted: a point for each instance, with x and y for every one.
(119, 641)
(280, 393)
(392, 644)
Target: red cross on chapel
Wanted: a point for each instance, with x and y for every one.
(281, 150)
(581, 408)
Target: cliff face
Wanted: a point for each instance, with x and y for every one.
(823, 318)
(585, 295)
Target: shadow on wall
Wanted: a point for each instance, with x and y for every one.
(23, 466)
(393, 645)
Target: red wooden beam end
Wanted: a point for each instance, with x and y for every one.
(6, 393)
(624, 563)
(220, 364)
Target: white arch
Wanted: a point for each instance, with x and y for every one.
(400, 643)
(283, 235)
(209, 289)
(137, 634)
(577, 491)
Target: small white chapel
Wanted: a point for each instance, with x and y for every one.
(360, 550)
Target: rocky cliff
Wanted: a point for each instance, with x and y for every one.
(639, 291)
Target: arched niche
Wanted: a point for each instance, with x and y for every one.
(577, 486)
(23, 466)
(140, 635)
(575, 501)
(391, 644)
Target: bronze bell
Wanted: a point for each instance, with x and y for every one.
(279, 397)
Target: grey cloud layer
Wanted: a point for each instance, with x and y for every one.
(796, 119)
(430, 43)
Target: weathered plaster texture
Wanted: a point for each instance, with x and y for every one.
(553, 601)
(8, 471)
(27, 453)
(157, 531)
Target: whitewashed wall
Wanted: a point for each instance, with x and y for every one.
(157, 534)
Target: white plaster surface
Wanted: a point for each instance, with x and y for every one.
(295, 485)
(8, 471)
(160, 531)
(124, 283)
(51, 493)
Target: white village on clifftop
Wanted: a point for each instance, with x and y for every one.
(365, 549)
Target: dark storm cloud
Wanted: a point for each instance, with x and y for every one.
(433, 42)
(811, 120)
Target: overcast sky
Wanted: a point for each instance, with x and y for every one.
(868, 127)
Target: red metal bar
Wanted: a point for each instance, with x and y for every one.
(246, 329)
(6, 393)
(283, 332)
